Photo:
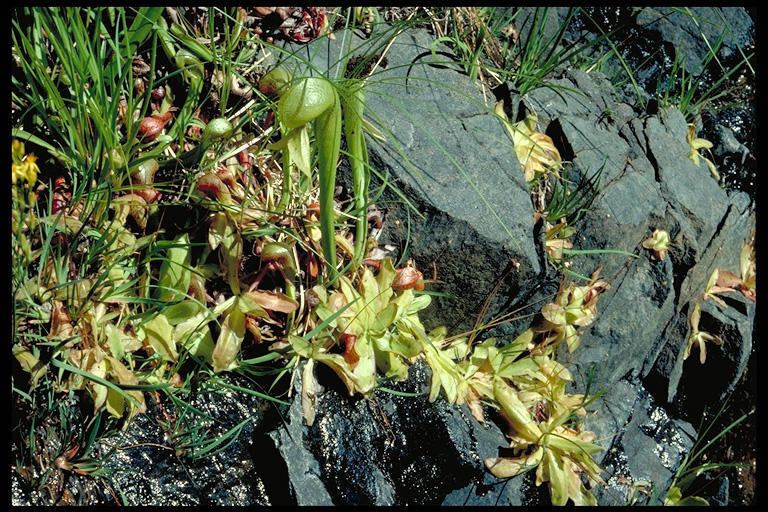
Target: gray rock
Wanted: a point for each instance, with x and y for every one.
(641, 327)
(693, 31)
(697, 384)
(648, 183)
(644, 446)
(468, 185)
(303, 469)
(629, 318)
(549, 21)
(696, 203)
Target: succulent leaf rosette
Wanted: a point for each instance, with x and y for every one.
(658, 242)
(381, 329)
(535, 151)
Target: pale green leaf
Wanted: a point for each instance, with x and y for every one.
(231, 337)
(180, 312)
(160, 337)
(174, 271)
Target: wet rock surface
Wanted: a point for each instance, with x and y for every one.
(151, 464)
(642, 443)
(391, 450)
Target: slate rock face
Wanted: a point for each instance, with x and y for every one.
(690, 31)
(648, 183)
(461, 173)
(642, 443)
(635, 344)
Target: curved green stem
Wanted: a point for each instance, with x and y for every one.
(354, 104)
(285, 196)
(328, 137)
(315, 99)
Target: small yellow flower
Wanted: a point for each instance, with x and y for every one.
(697, 144)
(23, 166)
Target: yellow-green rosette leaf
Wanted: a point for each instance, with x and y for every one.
(570, 444)
(361, 379)
(127, 377)
(526, 366)
(308, 392)
(216, 232)
(115, 340)
(177, 313)
(100, 391)
(256, 301)
(174, 271)
(388, 360)
(385, 278)
(384, 318)
(159, 334)
(558, 480)
(230, 338)
(115, 403)
(29, 363)
(365, 370)
(456, 350)
(195, 335)
(405, 344)
(555, 313)
(444, 374)
(518, 415)
(576, 491)
(369, 289)
(506, 467)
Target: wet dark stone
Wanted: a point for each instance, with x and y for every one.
(690, 29)
(392, 450)
(698, 386)
(642, 443)
(148, 470)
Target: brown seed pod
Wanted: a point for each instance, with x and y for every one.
(212, 186)
(313, 209)
(408, 277)
(151, 127)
